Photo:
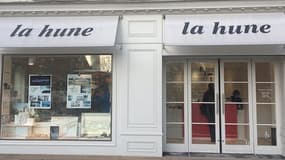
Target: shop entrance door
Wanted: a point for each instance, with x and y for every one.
(219, 112)
(208, 106)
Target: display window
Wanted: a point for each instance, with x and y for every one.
(56, 97)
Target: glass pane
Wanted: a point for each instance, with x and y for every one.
(237, 134)
(236, 92)
(175, 92)
(236, 113)
(203, 134)
(203, 92)
(266, 114)
(264, 72)
(175, 133)
(203, 113)
(265, 93)
(57, 97)
(203, 71)
(235, 71)
(175, 112)
(175, 72)
(266, 135)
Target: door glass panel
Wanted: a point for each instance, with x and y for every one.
(203, 103)
(175, 133)
(264, 72)
(236, 113)
(175, 92)
(265, 114)
(237, 134)
(266, 135)
(265, 103)
(175, 72)
(235, 71)
(175, 112)
(203, 71)
(236, 103)
(203, 134)
(175, 103)
(236, 92)
(265, 92)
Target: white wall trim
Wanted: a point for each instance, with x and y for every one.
(141, 8)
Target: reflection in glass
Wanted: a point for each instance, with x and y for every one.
(236, 113)
(241, 87)
(203, 71)
(203, 134)
(237, 134)
(266, 114)
(235, 71)
(88, 88)
(175, 92)
(264, 72)
(265, 92)
(175, 72)
(175, 133)
(266, 135)
(175, 112)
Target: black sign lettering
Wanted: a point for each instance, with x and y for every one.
(219, 29)
(21, 32)
(49, 31)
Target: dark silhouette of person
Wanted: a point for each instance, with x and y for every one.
(236, 98)
(208, 109)
(102, 97)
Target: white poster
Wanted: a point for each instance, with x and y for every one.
(96, 125)
(88, 31)
(39, 91)
(224, 29)
(79, 91)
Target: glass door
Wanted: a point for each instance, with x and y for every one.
(176, 139)
(222, 106)
(203, 106)
(236, 107)
(266, 107)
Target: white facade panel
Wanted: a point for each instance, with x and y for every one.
(141, 29)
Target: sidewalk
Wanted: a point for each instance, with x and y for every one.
(193, 157)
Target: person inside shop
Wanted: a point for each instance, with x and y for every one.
(236, 98)
(208, 110)
(101, 96)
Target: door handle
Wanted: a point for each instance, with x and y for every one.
(223, 103)
(217, 103)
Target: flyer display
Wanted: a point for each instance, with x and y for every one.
(39, 91)
(79, 91)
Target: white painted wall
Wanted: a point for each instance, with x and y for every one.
(139, 86)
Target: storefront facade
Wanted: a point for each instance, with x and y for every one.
(129, 79)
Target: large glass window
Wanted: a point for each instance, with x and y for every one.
(56, 97)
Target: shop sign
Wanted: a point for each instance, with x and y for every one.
(224, 29)
(58, 31)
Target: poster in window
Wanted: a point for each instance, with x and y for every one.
(39, 91)
(79, 91)
(96, 125)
